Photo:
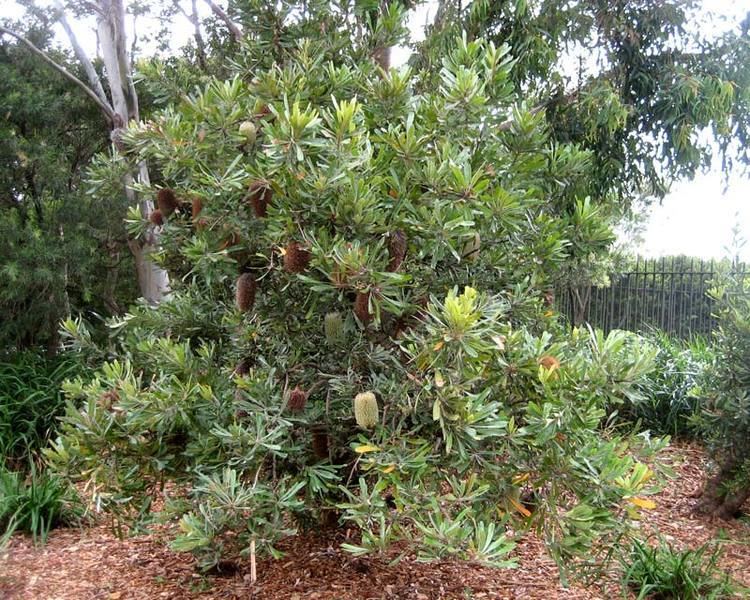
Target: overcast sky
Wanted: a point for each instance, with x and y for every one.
(696, 218)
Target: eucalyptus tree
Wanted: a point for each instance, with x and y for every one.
(119, 104)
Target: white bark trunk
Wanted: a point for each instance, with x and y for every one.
(153, 281)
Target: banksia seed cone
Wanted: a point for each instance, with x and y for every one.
(320, 442)
(334, 328)
(156, 217)
(297, 400)
(231, 240)
(260, 196)
(549, 362)
(396, 250)
(263, 111)
(366, 410)
(549, 298)
(197, 207)
(471, 248)
(245, 297)
(296, 258)
(167, 201)
(243, 367)
(108, 398)
(248, 131)
(362, 307)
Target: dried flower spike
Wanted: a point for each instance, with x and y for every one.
(296, 258)
(297, 400)
(156, 217)
(197, 207)
(396, 250)
(362, 307)
(245, 297)
(260, 194)
(167, 201)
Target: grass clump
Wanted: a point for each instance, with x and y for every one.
(662, 572)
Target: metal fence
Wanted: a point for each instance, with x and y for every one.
(668, 294)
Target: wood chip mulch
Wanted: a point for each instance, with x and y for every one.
(92, 563)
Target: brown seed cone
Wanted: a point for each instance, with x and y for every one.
(297, 400)
(232, 240)
(260, 195)
(549, 298)
(296, 258)
(108, 398)
(245, 297)
(243, 367)
(263, 111)
(156, 217)
(396, 250)
(361, 307)
(167, 201)
(320, 442)
(197, 207)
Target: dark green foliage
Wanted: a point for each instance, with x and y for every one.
(31, 400)
(668, 398)
(61, 252)
(35, 504)
(661, 572)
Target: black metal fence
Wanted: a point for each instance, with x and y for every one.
(668, 294)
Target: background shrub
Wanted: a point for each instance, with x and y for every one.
(31, 400)
(668, 398)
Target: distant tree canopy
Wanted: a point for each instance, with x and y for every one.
(60, 251)
(652, 81)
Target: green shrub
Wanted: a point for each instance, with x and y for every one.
(31, 400)
(663, 573)
(668, 398)
(35, 503)
(356, 328)
(724, 418)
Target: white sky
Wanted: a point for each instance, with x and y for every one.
(696, 218)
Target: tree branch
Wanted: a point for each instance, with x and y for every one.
(83, 58)
(106, 109)
(233, 28)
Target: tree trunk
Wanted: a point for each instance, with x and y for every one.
(153, 281)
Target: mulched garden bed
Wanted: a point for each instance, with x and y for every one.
(93, 564)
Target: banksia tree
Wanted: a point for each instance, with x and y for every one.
(463, 404)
